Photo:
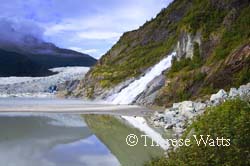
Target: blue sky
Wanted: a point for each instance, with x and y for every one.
(90, 26)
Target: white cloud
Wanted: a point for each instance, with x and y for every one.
(96, 160)
(103, 27)
(87, 51)
(99, 35)
(106, 23)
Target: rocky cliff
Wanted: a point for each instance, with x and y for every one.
(211, 39)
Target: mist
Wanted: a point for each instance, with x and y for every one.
(15, 33)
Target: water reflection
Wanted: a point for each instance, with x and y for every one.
(113, 132)
(39, 141)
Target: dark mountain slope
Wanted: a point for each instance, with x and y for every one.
(14, 64)
(50, 55)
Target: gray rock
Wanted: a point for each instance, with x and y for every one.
(199, 106)
(150, 93)
(244, 90)
(233, 93)
(169, 117)
(158, 124)
(186, 108)
(218, 97)
(179, 115)
(169, 126)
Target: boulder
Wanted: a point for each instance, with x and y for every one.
(218, 97)
(199, 106)
(169, 126)
(233, 93)
(244, 90)
(185, 108)
(170, 117)
(158, 124)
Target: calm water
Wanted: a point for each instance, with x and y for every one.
(69, 140)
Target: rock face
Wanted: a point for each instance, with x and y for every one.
(148, 96)
(181, 114)
(185, 45)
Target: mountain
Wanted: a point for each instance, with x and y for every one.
(14, 64)
(212, 42)
(33, 57)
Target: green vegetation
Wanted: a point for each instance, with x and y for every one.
(90, 92)
(238, 33)
(230, 120)
(243, 76)
(204, 16)
(197, 59)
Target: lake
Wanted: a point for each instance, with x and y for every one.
(60, 139)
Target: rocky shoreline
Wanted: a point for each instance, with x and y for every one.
(181, 114)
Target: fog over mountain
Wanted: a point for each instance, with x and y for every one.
(22, 47)
(15, 31)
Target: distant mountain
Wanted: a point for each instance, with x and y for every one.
(14, 64)
(33, 57)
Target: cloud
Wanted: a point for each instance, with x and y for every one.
(98, 35)
(88, 24)
(15, 32)
(88, 51)
(96, 160)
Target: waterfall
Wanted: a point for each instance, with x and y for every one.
(129, 94)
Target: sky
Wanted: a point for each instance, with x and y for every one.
(88, 26)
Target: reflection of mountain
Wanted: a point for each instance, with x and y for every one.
(33, 57)
(41, 128)
(113, 133)
(25, 140)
